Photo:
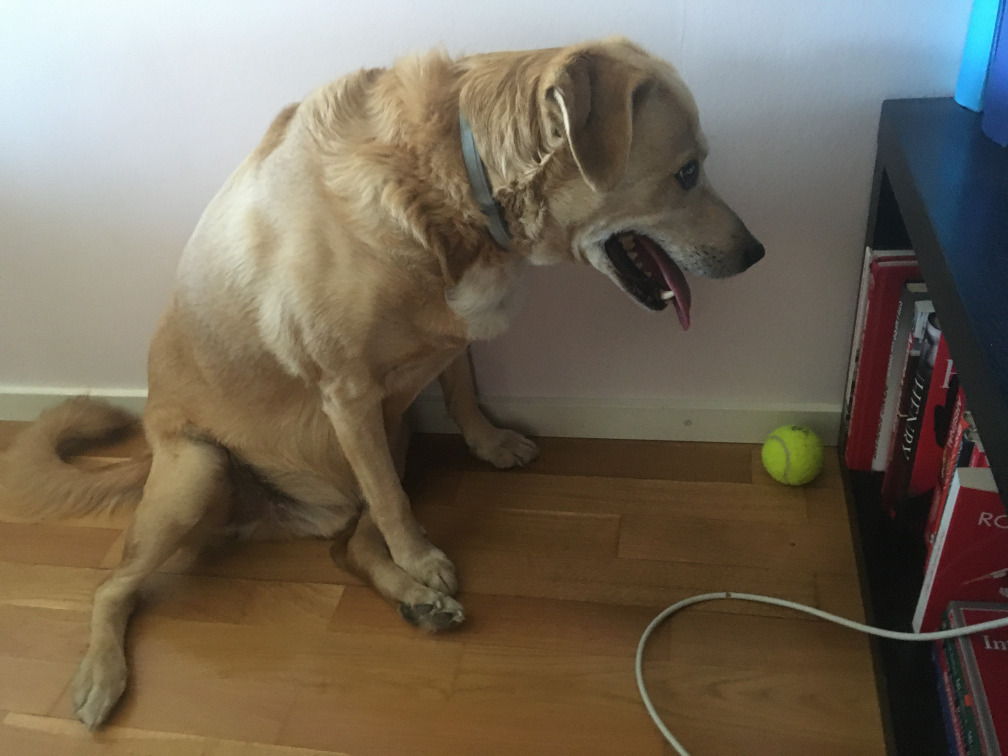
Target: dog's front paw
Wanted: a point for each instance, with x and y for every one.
(434, 570)
(442, 613)
(505, 448)
(98, 685)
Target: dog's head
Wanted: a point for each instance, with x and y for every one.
(625, 186)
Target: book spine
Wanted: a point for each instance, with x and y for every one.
(982, 689)
(978, 457)
(964, 701)
(941, 396)
(946, 693)
(954, 445)
(887, 390)
(931, 569)
(891, 493)
(963, 450)
(857, 338)
(885, 285)
(908, 330)
(906, 434)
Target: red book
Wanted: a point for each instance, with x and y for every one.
(915, 454)
(969, 560)
(933, 431)
(985, 667)
(871, 258)
(978, 457)
(908, 336)
(958, 446)
(872, 343)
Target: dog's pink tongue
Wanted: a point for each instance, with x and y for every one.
(674, 278)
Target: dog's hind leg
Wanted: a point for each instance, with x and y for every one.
(185, 498)
(498, 446)
(418, 604)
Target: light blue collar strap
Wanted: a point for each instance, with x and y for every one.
(480, 185)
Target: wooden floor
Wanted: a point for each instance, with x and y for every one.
(273, 648)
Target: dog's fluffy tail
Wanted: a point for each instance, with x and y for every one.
(37, 481)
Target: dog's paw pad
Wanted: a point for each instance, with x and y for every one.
(444, 613)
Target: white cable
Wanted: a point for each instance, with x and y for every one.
(890, 634)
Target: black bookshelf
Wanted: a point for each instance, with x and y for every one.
(941, 189)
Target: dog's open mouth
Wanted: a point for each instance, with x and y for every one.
(648, 273)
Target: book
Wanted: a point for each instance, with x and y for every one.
(873, 259)
(965, 706)
(962, 696)
(922, 423)
(951, 717)
(969, 559)
(963, 449)
(908, 333)
(957, 452)
(933, 431)
(978, 457)
(883, 274)
(984, 664)
(860, 310)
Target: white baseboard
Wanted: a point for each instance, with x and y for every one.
(640, 419)
(25, 403)
(738, 422)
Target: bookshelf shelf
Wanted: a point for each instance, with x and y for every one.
(941, 189)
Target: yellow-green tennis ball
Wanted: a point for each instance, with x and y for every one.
(793, 455)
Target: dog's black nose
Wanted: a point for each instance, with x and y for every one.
(754, 254)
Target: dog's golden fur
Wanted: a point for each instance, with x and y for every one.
(342, 267)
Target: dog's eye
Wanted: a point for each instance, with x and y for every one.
(688, 175)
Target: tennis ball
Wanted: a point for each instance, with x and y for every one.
(793, 455)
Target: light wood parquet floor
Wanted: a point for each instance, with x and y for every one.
(274, 648)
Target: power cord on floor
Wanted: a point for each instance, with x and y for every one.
(890, 634)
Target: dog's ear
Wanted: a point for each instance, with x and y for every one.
(589, 100)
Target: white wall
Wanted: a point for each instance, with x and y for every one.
(120, 119)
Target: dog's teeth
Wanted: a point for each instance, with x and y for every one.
(627, 243)
(667, 295)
